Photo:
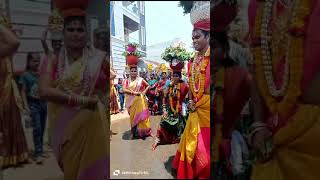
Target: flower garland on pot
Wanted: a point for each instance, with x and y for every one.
(290, 88)
(55, 21)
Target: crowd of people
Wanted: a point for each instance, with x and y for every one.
(159, 81)
(182, 98)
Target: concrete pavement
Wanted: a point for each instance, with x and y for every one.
(130, 158)
(135, 159)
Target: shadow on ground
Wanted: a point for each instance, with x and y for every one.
(168, 166)
(126, 135)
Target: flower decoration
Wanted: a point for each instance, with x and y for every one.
(175, 53)
(132, 50)
(55, 21)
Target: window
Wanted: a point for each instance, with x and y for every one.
(142, 7)
(143, 37)
(113, 29)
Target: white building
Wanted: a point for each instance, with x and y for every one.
(127, 24)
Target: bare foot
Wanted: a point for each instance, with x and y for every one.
(154, 145)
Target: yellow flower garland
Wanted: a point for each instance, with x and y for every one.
(175, 111)
(295, 58)
(195, 76)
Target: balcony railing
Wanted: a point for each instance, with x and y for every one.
(132, 6)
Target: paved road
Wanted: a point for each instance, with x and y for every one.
(48, 171)
(135, 159)
(128, 156)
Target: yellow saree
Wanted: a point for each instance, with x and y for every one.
(138, 110)
(15, 150)
(193, 156)
(297, 149)
(79, 136)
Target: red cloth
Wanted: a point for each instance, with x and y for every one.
(200, 165)
(184, 89)
(166, 137)
(178, 67)
(73, 12)
(237, 93)
(203, 25)
(72, 7)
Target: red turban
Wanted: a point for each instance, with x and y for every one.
(73, 12)
(203, 25)
(72, 7)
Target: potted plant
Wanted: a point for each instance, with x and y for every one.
(176, 56)
(132, 54)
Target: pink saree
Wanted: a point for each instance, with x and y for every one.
(79, 136)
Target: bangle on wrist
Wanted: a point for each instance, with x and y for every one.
(253, 133)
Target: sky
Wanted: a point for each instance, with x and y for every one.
(166, 21)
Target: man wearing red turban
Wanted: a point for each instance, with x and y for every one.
(192, 159)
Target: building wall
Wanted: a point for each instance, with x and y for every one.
(117, 11)
(117, 40)
(32, 16)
